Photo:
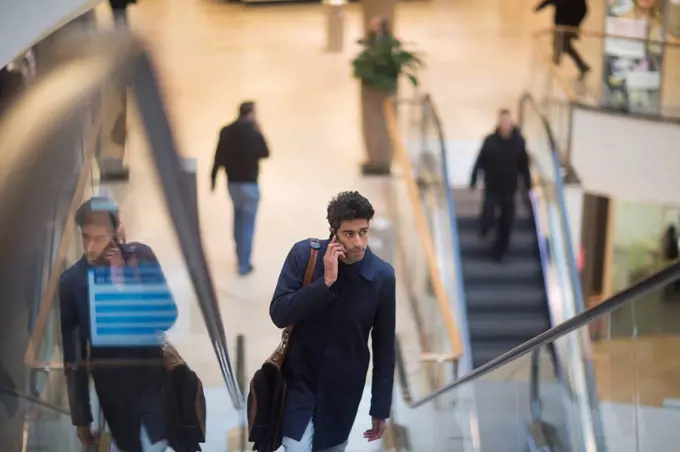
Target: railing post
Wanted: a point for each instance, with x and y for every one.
(189, 165)
(241, 379)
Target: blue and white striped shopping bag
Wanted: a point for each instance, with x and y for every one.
(134, 314)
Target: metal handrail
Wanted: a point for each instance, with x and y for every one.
(87, 62)
(661, 279)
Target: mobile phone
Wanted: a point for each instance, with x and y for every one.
(330, 237)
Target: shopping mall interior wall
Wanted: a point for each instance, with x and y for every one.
(25, 22)
(626, 157)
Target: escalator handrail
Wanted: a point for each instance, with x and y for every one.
(450, 202)
(654, 282)
(401, 157)
(527, 99)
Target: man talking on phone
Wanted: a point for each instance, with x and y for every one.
(351, 295)
(128, 379)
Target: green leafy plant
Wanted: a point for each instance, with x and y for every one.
(382, 61)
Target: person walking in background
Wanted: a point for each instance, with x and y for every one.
(503, 159)
(568, 13)
(240, 148)
(351, 295)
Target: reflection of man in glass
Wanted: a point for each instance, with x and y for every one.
(128, 379)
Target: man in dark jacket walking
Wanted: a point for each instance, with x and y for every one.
(502, 159)
(128, 376)
(351, 294)
(240, 148)
(568, 13)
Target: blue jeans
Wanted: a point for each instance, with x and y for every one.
(245, 196)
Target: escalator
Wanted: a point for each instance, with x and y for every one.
(497, 307)
(525, 407)
(506, 302)
(50, 141)
(564, 389)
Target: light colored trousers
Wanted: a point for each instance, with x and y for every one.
(160, 446)
(305, 443)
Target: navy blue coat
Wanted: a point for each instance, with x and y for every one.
(129, 396)
(327, 362)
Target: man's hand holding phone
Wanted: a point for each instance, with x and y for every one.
(334, 252)
(114, 256)
(116, 262)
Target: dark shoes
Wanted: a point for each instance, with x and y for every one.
(246, 271)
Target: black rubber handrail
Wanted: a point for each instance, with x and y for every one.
(654, 282)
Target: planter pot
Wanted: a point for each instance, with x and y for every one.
(377, 141)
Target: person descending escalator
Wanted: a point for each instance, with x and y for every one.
(503, 159)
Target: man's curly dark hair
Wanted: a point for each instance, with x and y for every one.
(348, 205)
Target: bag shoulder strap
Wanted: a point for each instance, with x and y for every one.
(279, 354)
(314, 246)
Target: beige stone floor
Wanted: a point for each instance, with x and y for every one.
(212, 55)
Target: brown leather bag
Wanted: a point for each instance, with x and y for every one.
(268, 387)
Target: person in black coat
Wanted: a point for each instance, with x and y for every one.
(128, 379)
(503, 159)
(239, 150)
(568, 13)
(351, 295)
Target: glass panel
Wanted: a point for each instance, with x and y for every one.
(438, 193)
(429, 337)
(643, 244)
(557, 252)
(627, 73)
(47, 429)
(493, 412)
(133, 308)
(636, 374)
(553, 92)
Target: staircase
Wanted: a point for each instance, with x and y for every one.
(506, 302)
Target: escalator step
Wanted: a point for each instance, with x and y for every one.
(523, 325)
(488, 272)
(511, 296)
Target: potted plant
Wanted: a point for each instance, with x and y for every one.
(378, 67)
